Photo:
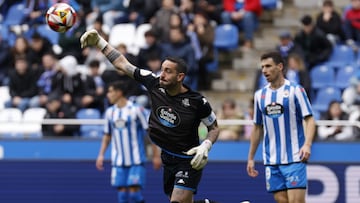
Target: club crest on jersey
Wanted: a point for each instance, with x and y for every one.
(274, 110)
(286, 93)
(186, 102)
(167, 116)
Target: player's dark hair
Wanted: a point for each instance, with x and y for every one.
(181, 66)
(275, 56)
(119, 85)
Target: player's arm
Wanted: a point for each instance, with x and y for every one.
(92, 38)
(255, 138)
(213, 132)
(310, 128)
(104, 145)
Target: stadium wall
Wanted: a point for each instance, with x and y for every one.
(59, 171)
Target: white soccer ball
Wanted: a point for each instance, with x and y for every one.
(60, 17)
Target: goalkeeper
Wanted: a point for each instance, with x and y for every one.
(176, 113)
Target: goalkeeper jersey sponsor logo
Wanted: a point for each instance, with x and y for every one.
(167, 116)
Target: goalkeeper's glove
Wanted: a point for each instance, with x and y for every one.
(201, 154)
(92, 38)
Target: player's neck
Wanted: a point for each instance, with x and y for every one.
(176, 90)
(278, 83)
(121, 102)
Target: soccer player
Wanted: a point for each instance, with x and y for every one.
(126, 129)
(176, 113)
(280, 108)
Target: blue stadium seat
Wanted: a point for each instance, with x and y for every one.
(15, 15)
(341, 56)
(226, 37)
(213, 65)
(324, 96)
(90, 131)
(269, 4)
(45, 31)
(322, 76)
(343, 75)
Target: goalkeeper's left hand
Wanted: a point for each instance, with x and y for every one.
(201, 154)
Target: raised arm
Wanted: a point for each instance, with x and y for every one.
(92, 38)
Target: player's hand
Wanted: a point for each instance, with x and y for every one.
(100, 163)
(305, 153)
(92, 38)
(201, 154)
(250, 168)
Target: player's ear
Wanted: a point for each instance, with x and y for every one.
(181, 76)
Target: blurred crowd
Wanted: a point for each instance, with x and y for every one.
(63, 78)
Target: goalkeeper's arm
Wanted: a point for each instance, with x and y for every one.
(92, 38)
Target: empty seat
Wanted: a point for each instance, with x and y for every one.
(226, 37)
(343, 76)
(123, 33)
(32, 122)
(341, 56)
(4, 95)
(10, 123)
(322, 76)
(45, 31)
(270, 4)
(15, 15)
(139, 39)
(324, 96)
(91, 131)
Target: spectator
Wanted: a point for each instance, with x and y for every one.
(94, 88)
(34, 12)
(4, 61)
(38, 47)
(150, 9)
(329, 21)
(228, 111)
(68, 84)
(180, 46)
(212, 8)
(20, 48)
(109, 10)
(154, 64)
(55, 109)
(187, 11)
(351, 95)
(352, 24)
(243, 14)
(338, 133)
(134, 13)
(297, 72)
(22, 86)
(44, 83)
(287, 45)
(205, 33)
(153, 47)
(161, 21)
(69, 40)
(315, 46)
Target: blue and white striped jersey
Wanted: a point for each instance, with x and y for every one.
(127, 127)
(281, 113)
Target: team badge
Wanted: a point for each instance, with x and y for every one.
(186, 102)
(286, 93)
